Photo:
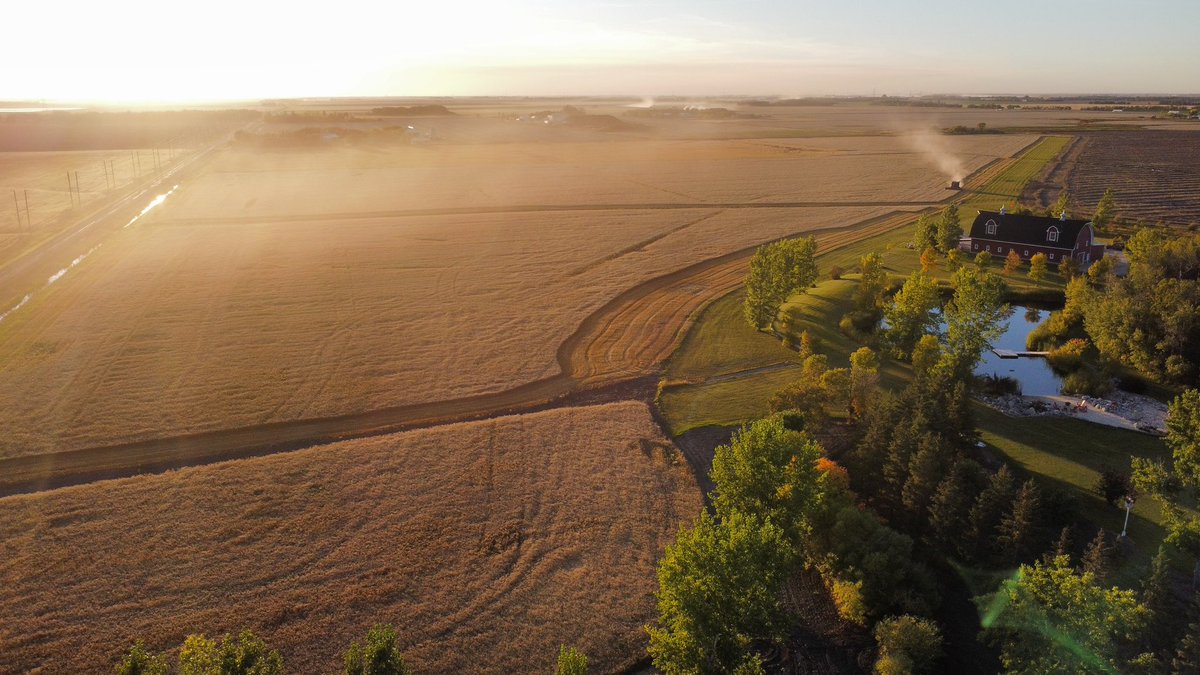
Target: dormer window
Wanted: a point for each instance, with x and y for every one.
(1052, 234)
(991, 227)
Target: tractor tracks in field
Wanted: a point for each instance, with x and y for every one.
(614, 354)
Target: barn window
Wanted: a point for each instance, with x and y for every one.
(991, 227)
(999, 249)
(1026, 253)
(974, 247)
(988, 246)
(1052, 256)
(1052, 234)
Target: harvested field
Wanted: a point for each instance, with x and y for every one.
(1155, 175)
(190, 324)
(487, 544)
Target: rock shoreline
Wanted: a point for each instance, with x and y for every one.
(1119, 409)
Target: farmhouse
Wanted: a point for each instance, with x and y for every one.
(1059, 238)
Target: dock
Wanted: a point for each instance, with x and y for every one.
(1010, 354)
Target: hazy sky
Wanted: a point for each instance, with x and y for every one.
(144, 50)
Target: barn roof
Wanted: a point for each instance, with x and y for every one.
(1030, 230)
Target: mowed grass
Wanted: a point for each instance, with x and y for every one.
(488, 544)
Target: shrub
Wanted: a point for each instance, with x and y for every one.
(1069, 357)
(1113, 485)
(571, 661)
(1086, 382)
(848, 598)
(377, 655)
(836, 272)
(917, 640)
(1041, 338)
(999, 385)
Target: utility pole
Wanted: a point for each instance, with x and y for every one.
(78, 194)
(70, 191)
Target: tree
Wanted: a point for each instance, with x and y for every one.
(973, 318)
(983, 260)
(911, 314)
(1113, 485)
(1068, 268)
(1012, 262)
(1059, 207)
(377, 655)
(1183, 435)
(864, 379)
(949, 229)
(1104, 210)
(246, 654)
(769, 471)
(1016, 529)
(139, 661)
(778, 270)
(867, 297)
(571, 661)
(926, 355)
(918, 640)
(1187, 654)
(951, 503)
(1037, 268)
(718, 592)
(929, 260)
(925, 472)
(954, 259)
(1097, 557)
(989, 506)
(1165, 625)
(926, 233)
(807, 395)
(1051, 619)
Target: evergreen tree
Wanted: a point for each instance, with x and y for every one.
(1187, 654)
(925, 472)
(1165, 625)
(989, 508)
(1015, 534)
(900, 452)
(1062, 546)
(951, 503)
(1097, 557)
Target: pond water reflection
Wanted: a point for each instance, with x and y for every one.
(1034, 373)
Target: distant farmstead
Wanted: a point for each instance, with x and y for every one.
(1000, 232)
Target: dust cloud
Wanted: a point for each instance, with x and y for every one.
(934, 147)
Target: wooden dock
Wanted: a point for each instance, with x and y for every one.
(1010, 354)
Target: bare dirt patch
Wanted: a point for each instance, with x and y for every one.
(487, 543)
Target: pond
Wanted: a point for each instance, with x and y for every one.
(1033, 372)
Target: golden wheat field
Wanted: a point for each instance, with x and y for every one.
(486, 543)
(318, 304)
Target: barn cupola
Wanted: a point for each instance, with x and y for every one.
(1063, 216)
(1003, 209)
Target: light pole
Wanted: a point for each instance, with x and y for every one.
(1128, 507)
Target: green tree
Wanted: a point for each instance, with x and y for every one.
(989, 507)
(868, 295)
(1187, 654)
(718, 592)
(918, 641)
(247, 654)
(1051, 619)
(1060, 206)
(949, 229)
(954, 259)
(377, 655)
(1164, 626)
(926, 470)
(926, 235)
(911, 314)
(973, 318)
(778, 270)
(950, 506)
(864, 379)
(139, 661)
(571, 661)
(1183, 435)
(1015, 533)
(1068, 268)
(1104, 210)
(1037, 268)
(983, 260)
(926, 355)
(770, 471)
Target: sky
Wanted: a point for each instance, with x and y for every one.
(196, 50)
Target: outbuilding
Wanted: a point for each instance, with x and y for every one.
(1000, 232)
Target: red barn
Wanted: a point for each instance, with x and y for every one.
(1058, 238)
